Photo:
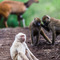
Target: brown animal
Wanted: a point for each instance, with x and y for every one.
(52, 24)
(36, 30)
(14, 7)
(19, 49)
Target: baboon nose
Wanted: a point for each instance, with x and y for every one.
(23, 39)
(39, 24)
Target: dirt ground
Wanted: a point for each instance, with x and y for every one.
(44, 51)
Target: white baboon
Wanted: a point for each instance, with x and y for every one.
(19, 49)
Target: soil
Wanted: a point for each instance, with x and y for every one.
(44, 50)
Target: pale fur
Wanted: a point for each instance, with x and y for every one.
(20, 51)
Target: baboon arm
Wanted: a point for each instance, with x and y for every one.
(45, 36)
(23, 56)
(32, 36)
(53, 37)
(28, 55)
(31, 56)
(37, 38)
(45, 27)
(14, 56)
(53, 34)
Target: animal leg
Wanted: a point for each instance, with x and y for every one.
(45, 36)
(23, 56)
(21, 18)
(23, 22)
(30, 54)
(32, 38)
(5, 22)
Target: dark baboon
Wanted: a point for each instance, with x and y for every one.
(52, 24)
(36, 30)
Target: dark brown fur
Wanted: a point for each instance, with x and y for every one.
(53, 25)
(36, 30)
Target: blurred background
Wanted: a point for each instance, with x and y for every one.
(44, 7)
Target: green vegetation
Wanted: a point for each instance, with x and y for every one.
(49, 7)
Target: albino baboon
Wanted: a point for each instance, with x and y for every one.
(19, 49)
(50, 23)
(36, 30)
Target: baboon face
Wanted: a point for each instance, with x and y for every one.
(37, 22)
(21, 37)
(46, 19)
